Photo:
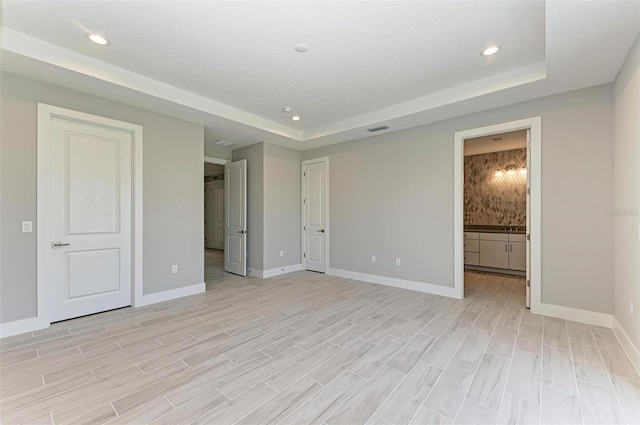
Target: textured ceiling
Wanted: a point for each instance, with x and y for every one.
(231, 65)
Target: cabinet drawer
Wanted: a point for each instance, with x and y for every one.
(472, 258)
(494, 237)
(517, 238)
(471, 235)
(471, 245)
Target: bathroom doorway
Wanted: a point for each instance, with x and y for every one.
(497, 207)
(495, 211)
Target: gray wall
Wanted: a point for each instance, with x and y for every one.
(173, 187)
(273, 205)
(392, 196)
(254, 155)
(281, 206)
(626, 206)
(215, 151)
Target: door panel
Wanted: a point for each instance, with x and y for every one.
(209, 209)
(314, 216)
(93, 272)
(93, 185)
(214, 206)
(219, 217)
(235, 188)
(90, 177)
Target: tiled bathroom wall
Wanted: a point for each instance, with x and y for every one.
(495, 200)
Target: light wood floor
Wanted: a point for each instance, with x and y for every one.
(306, 348)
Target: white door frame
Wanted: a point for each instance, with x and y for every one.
(45, 114)
(535, 124)
(327, 233)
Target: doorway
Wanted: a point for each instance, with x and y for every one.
(495, 210)
(214, 221)
(500, 244)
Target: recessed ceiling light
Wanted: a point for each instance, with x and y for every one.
(301, 47)
(295, 118)
(98, 39)
(490, 51)
(286, 109)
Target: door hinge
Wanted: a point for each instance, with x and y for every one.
(528, 236)
(304, 201)
(528, 283)
(304, 227)
(305, 175)
(304, 255)
(528, 191)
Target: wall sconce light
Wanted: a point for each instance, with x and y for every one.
(510, 170)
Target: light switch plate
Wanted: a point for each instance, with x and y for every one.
(27, 226)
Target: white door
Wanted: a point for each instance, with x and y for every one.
(315, 209)
(235, 189)
(528, 224)
(90, 178)
(214, 215)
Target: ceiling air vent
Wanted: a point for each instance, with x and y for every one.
(374, 129)
(223, 143)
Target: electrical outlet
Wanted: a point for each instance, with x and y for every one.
(174, 269)
(282, 253)
(398, 262)
(373, 258)
(27, 227)
(631, 308)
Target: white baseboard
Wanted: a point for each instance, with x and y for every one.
(574, 314)
(35, 323)
(632, 351)
(275, 272)
(22, 326)
(398, 283)
(171, 294)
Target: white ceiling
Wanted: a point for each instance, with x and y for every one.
(231, 65)
(487, 144)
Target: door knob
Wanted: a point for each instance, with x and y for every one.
(321, 231)
(59, 244)
(242, 231)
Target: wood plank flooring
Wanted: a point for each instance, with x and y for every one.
(306, 348)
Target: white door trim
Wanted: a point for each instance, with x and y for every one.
(535, 124)
(327, 233)
(219, 161)
(45, 114)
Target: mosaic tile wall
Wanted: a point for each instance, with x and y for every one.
(495, 200)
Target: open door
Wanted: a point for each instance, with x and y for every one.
(315, 213)
(235, 240)
(528, 223)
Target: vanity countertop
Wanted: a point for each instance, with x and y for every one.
(519, 230)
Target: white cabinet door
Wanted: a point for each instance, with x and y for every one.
(494, 254)
(517, 256)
